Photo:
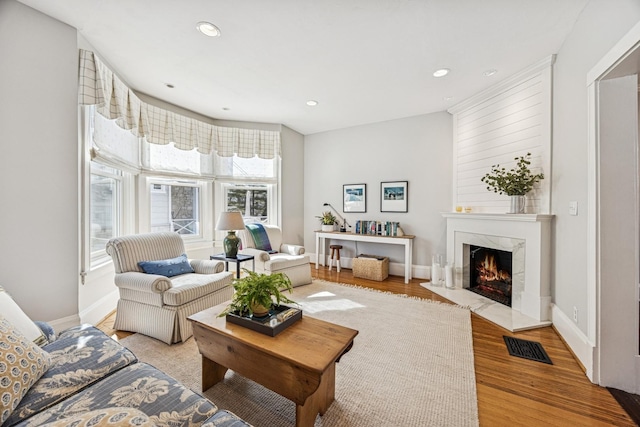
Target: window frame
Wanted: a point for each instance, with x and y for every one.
(146, 181)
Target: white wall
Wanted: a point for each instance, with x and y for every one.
(292, 189)
(415, 149)
(599, 27)
(39, 162)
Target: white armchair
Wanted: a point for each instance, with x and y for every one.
(288, 258)
(157, 305)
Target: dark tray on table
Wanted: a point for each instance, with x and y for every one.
(269, 324)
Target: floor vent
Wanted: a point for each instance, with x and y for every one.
(527, 349)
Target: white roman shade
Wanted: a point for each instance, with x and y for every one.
(99, 86)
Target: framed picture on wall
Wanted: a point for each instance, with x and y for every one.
(394, 196)
(354, 197)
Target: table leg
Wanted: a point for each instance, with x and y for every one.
(318, 402)
(237, 269)
(317, 250)
(226, 266)
(212, 373)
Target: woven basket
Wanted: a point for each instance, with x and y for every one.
(370, 267)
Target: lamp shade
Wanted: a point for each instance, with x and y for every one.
(230, 221)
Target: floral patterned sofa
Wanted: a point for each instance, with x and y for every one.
(83, 377)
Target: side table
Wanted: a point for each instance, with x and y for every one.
(238, 259)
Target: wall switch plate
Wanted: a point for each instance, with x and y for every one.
(575, 314)
(573, 208)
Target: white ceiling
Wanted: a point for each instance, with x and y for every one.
(364, 61)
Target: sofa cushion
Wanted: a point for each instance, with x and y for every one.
(108, 417)
(167, 267)
(190, 287)
(14, 314)
(141, 386)
(259, 236)
(22, 363)
(80, 356)
(281, 261)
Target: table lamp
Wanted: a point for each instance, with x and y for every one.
(343, 226)
(230, 221)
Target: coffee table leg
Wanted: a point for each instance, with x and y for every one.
(212, 373)
(318, 402)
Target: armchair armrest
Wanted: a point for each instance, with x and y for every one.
(286, 248)
(257, 253)
(134, 280)
(205, 266)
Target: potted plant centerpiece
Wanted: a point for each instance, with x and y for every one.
(516, 182)
(327, 219)
(255, 293)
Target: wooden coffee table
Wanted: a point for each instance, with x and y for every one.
(298, 363)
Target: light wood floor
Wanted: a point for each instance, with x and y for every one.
(511, 391)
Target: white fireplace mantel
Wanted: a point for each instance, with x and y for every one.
(531, 305)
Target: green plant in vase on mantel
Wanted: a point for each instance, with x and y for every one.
(515, 182)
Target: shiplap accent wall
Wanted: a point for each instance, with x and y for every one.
(505, 121)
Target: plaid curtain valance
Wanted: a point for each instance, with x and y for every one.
(99, 86)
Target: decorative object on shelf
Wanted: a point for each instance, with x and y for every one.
(230, 222)
(255, 293)
(327, 220)
(354, 198)
(516, 182)
(379, 228)
(394, 196)
(343, 225)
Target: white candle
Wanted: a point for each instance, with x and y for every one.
(435, 274)
(448, 274)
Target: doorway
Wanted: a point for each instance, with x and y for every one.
(614, 230)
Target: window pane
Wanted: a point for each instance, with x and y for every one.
(103, 211)
(251, 200)
(175, 208)
(237, 167)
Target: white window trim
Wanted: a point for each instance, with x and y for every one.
(192, 242)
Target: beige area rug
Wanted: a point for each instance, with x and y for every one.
(411, 364)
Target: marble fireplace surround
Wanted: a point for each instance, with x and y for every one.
(527, 237)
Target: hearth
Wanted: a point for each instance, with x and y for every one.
(491, 273)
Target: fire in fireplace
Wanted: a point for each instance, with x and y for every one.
(491, 273)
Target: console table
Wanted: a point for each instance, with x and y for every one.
(406, 240)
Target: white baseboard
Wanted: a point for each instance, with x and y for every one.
(60, 325)
(575, 339)
(97, 311)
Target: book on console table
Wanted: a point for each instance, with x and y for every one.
(280, 317)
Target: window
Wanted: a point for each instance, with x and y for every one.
(250, 199)
(105, 207)
(175, 207)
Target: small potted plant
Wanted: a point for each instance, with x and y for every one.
(327, 219)
(255, 293)
(516, 182)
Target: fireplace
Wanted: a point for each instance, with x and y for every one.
(491, 273)
(527, 239)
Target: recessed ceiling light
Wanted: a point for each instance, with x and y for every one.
(448, 98)
(441, 72)
(169, 85)
(312, 103)
(226, 108)
(208, 29)
(489, 73)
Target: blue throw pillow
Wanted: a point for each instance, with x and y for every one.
(167, 267)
